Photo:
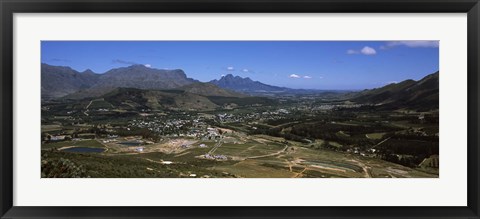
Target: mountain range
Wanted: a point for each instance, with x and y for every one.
(64, 82)
(59, 81)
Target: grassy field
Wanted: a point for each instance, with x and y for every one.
(49, 128)
(254, 169)
(249, 149)
(82, 143)
(375, 135)
(342, 134)
(100, 104)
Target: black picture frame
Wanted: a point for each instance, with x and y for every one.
(9, 7)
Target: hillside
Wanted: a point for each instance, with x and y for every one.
(137, 99)
(409, 94)
(207, 89)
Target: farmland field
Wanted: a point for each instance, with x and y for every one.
(82, 143)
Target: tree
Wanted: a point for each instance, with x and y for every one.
(61, 168)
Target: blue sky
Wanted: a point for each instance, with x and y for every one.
(338, 65)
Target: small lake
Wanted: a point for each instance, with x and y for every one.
(84, 150)
(130, 143)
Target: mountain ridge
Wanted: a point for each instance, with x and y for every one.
(410, 94)
(58, 81)
(54, 84)
(239, 84)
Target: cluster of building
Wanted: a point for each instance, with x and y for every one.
(329, 107)
(252, 116)
(174, 127)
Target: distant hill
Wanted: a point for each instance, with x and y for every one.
(58, 81)
(408, 94)
(188, 99)
(208, 89)
(256, 88)
(245, 85)
(136, 99)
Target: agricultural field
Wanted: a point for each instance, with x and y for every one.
(234, 154)
(82, 143)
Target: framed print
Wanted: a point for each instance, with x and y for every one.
(184, 109)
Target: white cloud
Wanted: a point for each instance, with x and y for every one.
(415, 43)
(352, 52)
(368, 51)
(245, 70)
(365, 51)
(148, 65)
(230, 68)
(222, 75)
(294, 76)
(307, 77)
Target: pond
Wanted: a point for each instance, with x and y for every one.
(130, 143)
(84, 150)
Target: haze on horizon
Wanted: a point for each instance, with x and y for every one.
(324, 65)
